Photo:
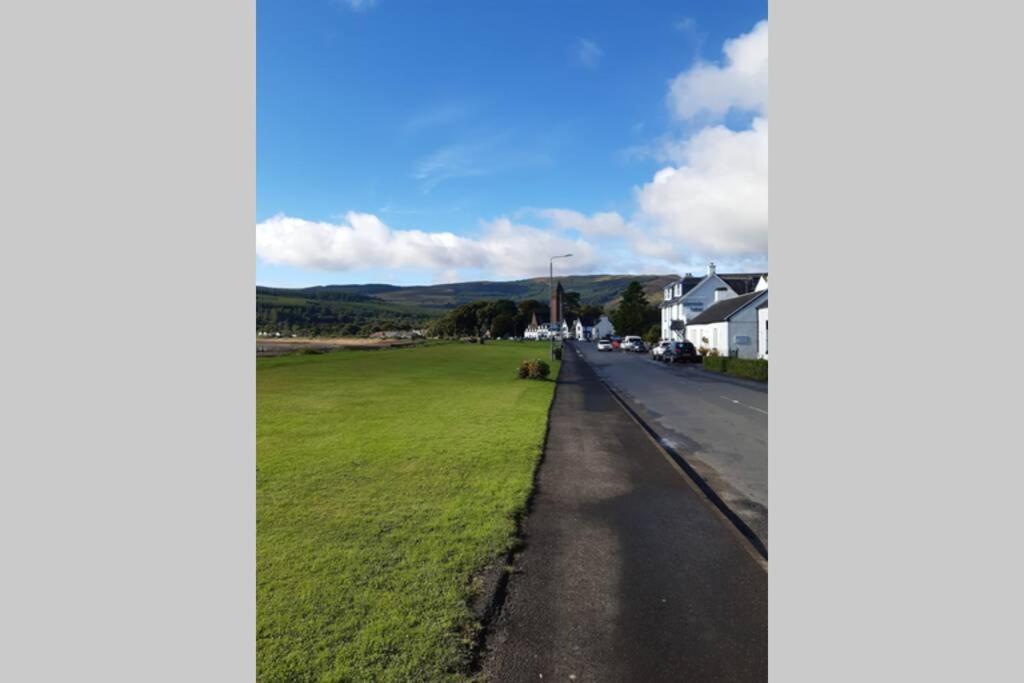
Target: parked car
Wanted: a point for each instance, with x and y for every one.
(659, 349)
(616, 342)
(631, 342)
(680, 352)
(604, 344)
(638, 346)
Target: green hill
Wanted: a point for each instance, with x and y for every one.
(361, 309)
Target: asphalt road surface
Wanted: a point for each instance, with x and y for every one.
(628, 573)
(718, 424)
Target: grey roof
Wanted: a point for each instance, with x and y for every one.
(741, 283)
(723, 310)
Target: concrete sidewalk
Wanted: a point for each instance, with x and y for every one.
(628, 573)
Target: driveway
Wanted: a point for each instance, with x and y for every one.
(629, 573)
(717, 423)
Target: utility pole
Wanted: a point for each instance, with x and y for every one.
(552, 300)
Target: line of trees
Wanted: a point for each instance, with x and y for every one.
(504, 317)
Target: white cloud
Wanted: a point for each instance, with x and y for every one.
(711, 201)
(716, 201)
(607, 223)
(587, 53)
(363, 241)
(742, 83)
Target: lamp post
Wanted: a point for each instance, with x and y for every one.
(551, 284)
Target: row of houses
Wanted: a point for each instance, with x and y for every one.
(727, 312)
(571, 327)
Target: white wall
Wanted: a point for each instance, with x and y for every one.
(717, 335)
(762, 333)
(603, 327)
(743, 327)
(726, 336)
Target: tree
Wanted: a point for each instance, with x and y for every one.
(526, 310)
(503, 325)
(571, 303)
(653, 335)
(590, 311)
(634, 314)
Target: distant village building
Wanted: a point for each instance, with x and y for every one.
(602, 328)
(537, 329)
(568, 328)
(584, 329)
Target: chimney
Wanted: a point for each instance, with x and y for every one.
(711, 268)
(723, 293)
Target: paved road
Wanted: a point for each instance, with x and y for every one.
(718, 424)
(628, 573)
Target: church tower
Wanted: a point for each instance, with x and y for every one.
(556, 304)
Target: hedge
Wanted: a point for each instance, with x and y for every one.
(745, 368)
(715, 363)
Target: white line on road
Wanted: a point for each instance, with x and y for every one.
(744, 404)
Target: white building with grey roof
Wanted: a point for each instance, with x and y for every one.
(691, 295)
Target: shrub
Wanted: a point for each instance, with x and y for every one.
(748, 368)
(714, 353)
(653, 335)
(715, 363)
(533, 369)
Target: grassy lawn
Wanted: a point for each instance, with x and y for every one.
(386, 480)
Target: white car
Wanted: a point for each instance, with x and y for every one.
(659, 348)
(604, 344)
(629, 343)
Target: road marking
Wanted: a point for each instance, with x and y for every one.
(744, 404)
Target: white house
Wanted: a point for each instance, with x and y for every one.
(762, 331)
(691, 295)
(602, 328)
(584, 329)
(729, 325)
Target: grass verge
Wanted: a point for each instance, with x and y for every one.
(385, 481)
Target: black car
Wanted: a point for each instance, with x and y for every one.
(680, 352)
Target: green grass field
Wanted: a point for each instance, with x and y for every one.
(386, 480)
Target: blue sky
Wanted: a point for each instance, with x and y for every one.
(418, 142)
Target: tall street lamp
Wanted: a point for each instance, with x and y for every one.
(551, 284)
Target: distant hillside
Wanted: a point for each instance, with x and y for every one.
(600, 290)
(360, 309)
(332, 312)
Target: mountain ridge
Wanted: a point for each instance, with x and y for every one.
(363, 308)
